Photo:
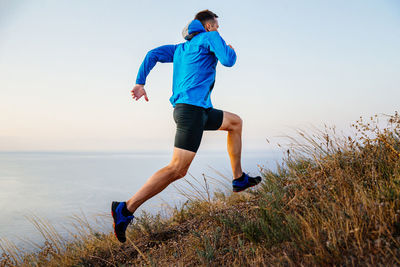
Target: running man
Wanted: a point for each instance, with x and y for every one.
(194, 64)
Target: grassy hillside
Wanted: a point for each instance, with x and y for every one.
(335, 200)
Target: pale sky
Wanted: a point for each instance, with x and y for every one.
(67, 68)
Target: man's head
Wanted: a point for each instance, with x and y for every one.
(208, 19)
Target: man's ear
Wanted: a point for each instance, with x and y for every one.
(207, 26)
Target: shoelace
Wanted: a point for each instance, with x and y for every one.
(125, 219)
(122, 218)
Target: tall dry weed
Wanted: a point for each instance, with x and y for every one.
(345, 193)
(333, 201)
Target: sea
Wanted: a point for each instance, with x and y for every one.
(65, 187)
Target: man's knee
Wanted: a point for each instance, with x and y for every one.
(239, 121)
(177, 171)
(180, 172)
(236, 122)
(180, 163)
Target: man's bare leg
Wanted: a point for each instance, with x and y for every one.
(177, 168)
(233, 124)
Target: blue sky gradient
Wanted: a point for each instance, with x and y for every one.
(67, 68)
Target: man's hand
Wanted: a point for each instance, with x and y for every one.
(231, 47)
(138, 91)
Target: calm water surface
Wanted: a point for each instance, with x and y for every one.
(57, 185)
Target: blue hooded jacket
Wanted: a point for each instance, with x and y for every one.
(194, 63)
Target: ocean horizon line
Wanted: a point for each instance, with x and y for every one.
(128, 151)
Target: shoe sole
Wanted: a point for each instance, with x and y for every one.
(114, 218)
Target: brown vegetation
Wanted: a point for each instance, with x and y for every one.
(333, 201)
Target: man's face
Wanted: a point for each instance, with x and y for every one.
(212, 25)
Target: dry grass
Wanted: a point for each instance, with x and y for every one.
(334, 200)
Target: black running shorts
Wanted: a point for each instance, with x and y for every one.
(191, 121)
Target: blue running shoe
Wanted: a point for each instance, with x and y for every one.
(120, 221)
(245, 181)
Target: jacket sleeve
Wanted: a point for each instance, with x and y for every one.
(163, 54)
(222, 51)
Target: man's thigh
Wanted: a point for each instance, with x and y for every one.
(182, 158)
(214, 119)
(190, 121)
(229, 121)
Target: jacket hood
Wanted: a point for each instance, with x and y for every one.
(192, 28)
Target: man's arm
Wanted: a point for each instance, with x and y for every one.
(163, 54)
(225, 54)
